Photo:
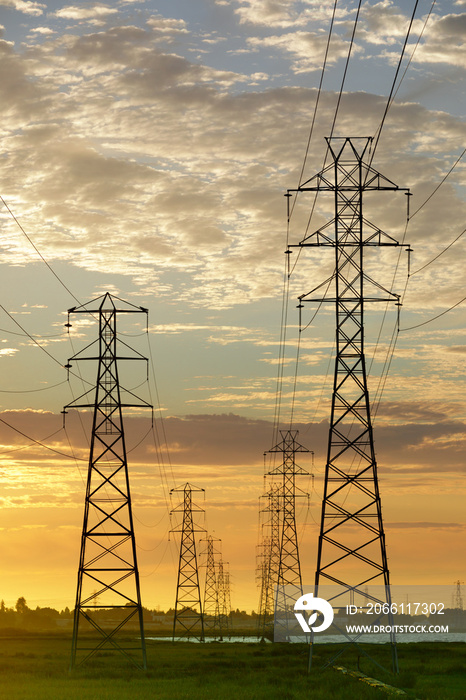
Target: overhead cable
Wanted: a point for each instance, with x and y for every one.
(38, 251)
(434, 317)
(390, 97)
(38, 442)
(439, 185)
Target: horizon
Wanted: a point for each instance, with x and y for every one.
(146, 149)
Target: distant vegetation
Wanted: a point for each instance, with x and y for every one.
(24, 617)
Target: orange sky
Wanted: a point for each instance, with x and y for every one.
(43, 496)
(145, 151)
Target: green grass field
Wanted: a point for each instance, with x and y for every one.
(35, 667)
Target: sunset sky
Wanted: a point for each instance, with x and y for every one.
(145, 150)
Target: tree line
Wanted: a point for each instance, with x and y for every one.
(22, 616)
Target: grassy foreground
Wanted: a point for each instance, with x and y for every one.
(36, 668)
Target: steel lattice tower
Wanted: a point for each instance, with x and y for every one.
(211, 599)
(189, 618)
(289, 580)
(226, 575)
(223, 583)
(108, 577)
(269, 560)
(458, 596)
(351, 550)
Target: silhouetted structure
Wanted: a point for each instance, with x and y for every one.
(224, 604)
(351, 550)
(108, 577)
(269, 560)
(458, 596)
(189, 619)
(211, 593)
(289, 580)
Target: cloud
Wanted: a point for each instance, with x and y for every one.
(443, 42)
(167, 26)
(25, 6)
(457, 349)
(284, 14)
(307, 48)
(427, 525)
(8, 351)
(114, 142)
(87, 11)
(42, 30)
(383, 23)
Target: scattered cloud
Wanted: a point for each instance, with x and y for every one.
(27, 7)
(86, 11)
(285, 14)
(307, 48)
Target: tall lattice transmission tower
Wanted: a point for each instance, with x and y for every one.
(189, 618)
(108, 598)
(289, 579)
(268, 559)
(224, 603)
(351, 550)
(458, 596)
(211, 592)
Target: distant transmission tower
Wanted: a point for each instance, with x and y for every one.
(289, 580)
(227, 598)
(269, 560)
(189, 619)
(223, 582)
(211, 597)
(351, 551)
(458, 596)
(108, 594)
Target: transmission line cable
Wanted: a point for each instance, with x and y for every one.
(319, 91)
(439, 185)
(413, 52)
(391, 95)
(281, 354)
(30, 336)
(38, 442)
(340, 94)
(440, 254)
(31, 391)
(26, 447)
(37, 250)
(434, 318)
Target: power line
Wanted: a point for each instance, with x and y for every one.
(37, 250)
(435, 317)
(31, 391)
(439, 185)
(414, 50)
(31, 337)
(38, 442)
(345, 71)
(318, 92)
(390, 97)
(440, 254)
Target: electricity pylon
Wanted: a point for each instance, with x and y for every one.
(211, 599)
(108, 577)
(269, 560)
(227, 598)
(458, 596)
(224, 605)
(189, 618)
(289, 580)
(351, 550)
